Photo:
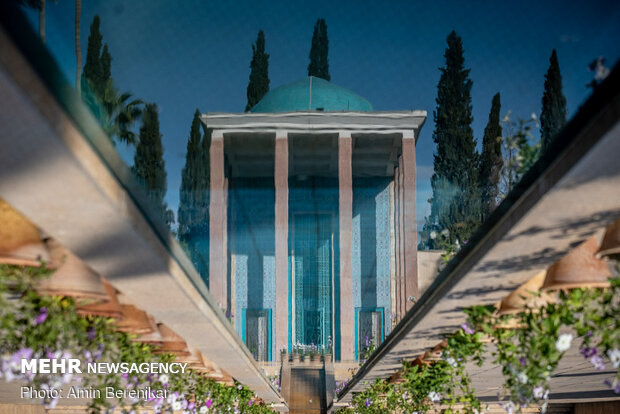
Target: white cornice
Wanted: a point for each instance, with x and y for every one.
(376, 122)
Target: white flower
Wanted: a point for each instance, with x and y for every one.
(176, 405)
(452, 362)
(534, 117)
(203, 409)
(433, 235)
(563, 342)
(522, 377)
(538, 392)
(614, 357)
(164, 379)
(434, 396)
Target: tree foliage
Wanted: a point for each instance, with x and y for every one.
(319, 65)
(94, 70)
(149, 166)
(258, 85)
(553, 115)
(521, 149)
(491, 160)
(117, 112)
(455, 202)
(193, 213)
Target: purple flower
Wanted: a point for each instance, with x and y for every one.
(24, 353)
(41, 317)
(598, 363)
(52, 404)
(465, 326)
(368, 400)
(615, 385)
(208, 403)
(523, 361)
(250, 403)
(92, 334)
(367, 341)
(588, 352)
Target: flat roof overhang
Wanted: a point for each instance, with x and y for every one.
(313, 140)
(372, 122)
(572, 192)
(61, 171)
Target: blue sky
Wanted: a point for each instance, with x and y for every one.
(193, 54)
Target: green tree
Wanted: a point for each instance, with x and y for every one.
(553, 114)
(521, 149)
(149, 166)
(117, 112)
(97, 65)
(258, 85)
(319, 65)
(491, 160)
(193, 213)
(455, 203)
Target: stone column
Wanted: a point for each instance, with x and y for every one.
(281, 236)
(345, 221)
(410, 225)
(217, 221)
(401, 241)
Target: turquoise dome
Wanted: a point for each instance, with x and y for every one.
(313, 94)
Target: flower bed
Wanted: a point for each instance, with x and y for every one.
(34, 326)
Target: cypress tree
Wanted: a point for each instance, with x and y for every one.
(319, 65)
(193, 214)
(258, 85)
(491, 160)
(191, 180)
(106, 65)
(454, 205)
(93, 68)
(116, 112)
(149, 166)
(553, 114)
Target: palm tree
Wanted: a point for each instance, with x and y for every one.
(119, 113)
(40, 6)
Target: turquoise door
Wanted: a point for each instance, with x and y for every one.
(313, 266)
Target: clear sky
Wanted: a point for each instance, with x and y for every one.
(193, 54)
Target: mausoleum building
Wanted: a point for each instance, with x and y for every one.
(312, 219)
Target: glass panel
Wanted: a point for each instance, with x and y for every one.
(257, 333)
(370, 326)
(313, 278)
